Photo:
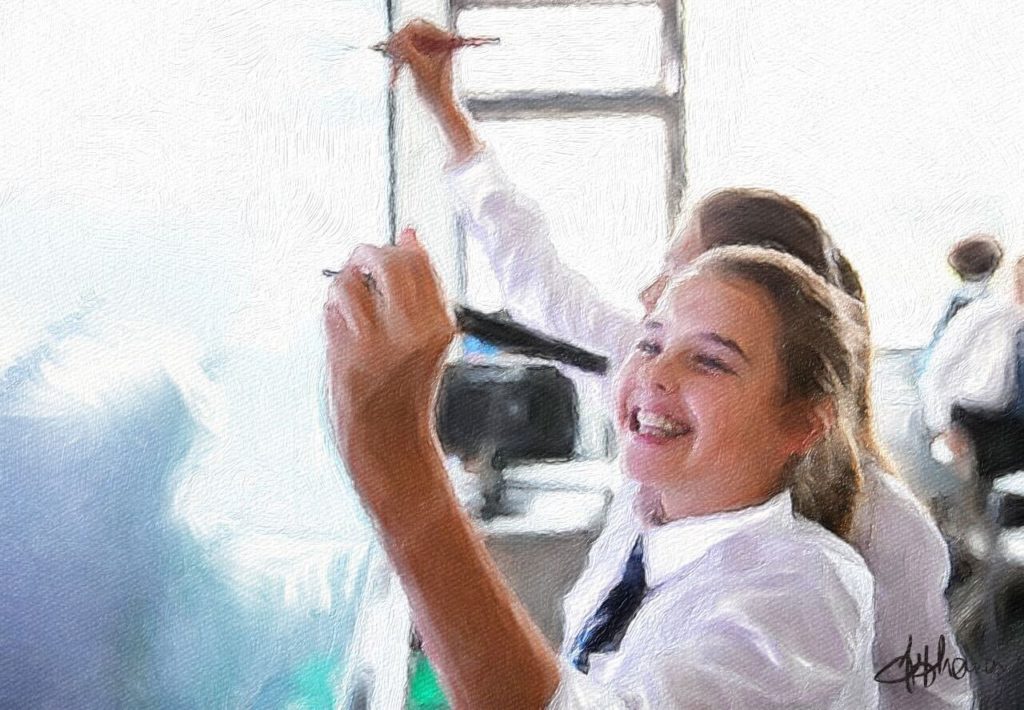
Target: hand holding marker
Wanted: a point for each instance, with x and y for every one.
(437, 45)
(431, 45)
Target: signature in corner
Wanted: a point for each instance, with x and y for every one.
(913, 668)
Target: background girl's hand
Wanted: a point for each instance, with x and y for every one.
(427, 50)
(388, 327)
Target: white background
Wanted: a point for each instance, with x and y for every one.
(899, 123)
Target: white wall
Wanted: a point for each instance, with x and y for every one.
(899, 122)
(195, 165)
(238, 145)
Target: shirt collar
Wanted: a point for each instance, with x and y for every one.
(670, 547)
(974, 289)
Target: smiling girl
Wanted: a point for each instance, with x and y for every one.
(705, 589)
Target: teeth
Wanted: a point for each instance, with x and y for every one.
(657, 425)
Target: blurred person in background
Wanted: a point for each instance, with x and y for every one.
(975, 260)
(973, 410)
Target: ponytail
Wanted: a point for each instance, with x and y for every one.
(826, 482)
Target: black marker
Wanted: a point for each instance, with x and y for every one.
(515, 338)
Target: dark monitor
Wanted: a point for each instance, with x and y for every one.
(511, 414)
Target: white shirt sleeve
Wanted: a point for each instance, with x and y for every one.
(759, 638)
(539, 289)
(973, 364)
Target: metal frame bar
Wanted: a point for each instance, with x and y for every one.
(457, 6)
(673, 60)
(507, 107)
(461, 241)
(389, 8)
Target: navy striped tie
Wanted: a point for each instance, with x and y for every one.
(604, 631)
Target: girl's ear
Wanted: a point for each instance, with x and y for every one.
(813, 424)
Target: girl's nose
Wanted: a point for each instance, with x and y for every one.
(664, 375)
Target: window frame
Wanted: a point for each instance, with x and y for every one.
(417, 189)
(664, 101)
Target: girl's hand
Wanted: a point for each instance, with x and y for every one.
(427, 50)
(388, 327)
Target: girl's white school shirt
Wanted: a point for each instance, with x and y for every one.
(896, 536)
(756, 608)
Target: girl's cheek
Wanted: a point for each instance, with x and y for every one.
(622, 389)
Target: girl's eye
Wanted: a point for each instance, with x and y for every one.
(648, 347)
(713, 364)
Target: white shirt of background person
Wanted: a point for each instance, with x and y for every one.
(974, 363)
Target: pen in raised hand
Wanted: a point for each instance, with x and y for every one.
(421, 43)
(435, 45)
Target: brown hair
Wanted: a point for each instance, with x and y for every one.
(756, 217)
(818, 351)
(857, 310)
(976, 257)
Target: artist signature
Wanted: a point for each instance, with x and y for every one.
(913, 668)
